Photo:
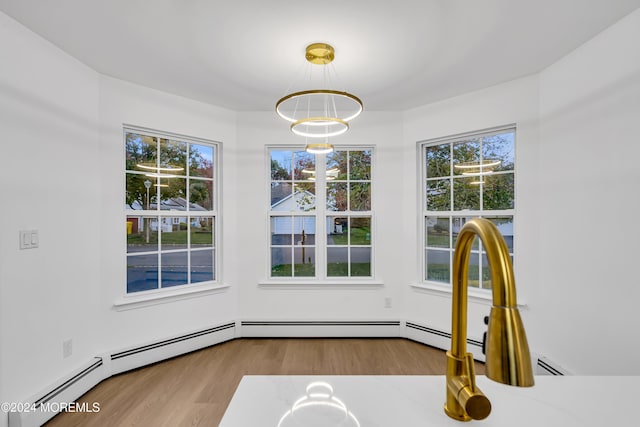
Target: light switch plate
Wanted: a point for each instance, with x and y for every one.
(29, 239)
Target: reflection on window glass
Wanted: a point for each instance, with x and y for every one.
(172, 182)
(500, 147)
(466, 178)
(337, 161)
(465, 154)
(173, 157)
(304, 165)
(346, 182)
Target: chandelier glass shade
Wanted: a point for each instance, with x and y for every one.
(319, 113)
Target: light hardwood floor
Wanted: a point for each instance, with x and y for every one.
(195, 389)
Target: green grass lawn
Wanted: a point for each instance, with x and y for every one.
(337, 269)
(359, 236)
(173, 238)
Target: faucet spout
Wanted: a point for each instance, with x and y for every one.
(507, 356)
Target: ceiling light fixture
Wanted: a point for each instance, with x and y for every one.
(319, 113)
(319, 148)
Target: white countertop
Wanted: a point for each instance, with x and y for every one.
(412, 401)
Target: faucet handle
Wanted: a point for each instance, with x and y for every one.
(471, 371)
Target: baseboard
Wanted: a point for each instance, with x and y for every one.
(132, 358)
(320, 328)
(58, 396)
(55, 398)
(440, 339)
(545, 366)
(50, 401)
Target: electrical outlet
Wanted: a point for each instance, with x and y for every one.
(387, 302)
(67, 348)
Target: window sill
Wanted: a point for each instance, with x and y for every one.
(130, 302)
(318, 285)
(476, 295)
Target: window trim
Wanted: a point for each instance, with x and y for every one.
(438, 288)
(188, 290)
(320, 278)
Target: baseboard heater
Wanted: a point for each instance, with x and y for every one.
(38, 410)
(52, 401)
(320, 328)
(154, 352)
(546, 367)
(440, 339)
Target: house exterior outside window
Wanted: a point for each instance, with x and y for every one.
(320, 214)
(171, 207)
(464, 177)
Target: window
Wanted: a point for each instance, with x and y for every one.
(171, 210)
(320, 214)
(465, 177)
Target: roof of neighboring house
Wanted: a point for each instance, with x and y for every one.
(172, 204)
(280, 195)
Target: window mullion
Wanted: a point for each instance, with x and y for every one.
(321, 215)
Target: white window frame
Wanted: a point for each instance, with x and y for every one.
(172, 217)
(321, 214)
(459, 214)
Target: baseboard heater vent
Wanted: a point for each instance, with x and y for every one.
(440, 339)
(154, 352)
(546, 367)
(321, 328)
(59, 395)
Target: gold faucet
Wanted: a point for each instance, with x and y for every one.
(507, 352)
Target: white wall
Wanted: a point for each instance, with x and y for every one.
(319, 302)
(125, 103)
(50, 151)
(512, 102)
(589, 147)
(576, 183)
(62, 174)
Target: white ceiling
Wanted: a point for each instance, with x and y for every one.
(243, 54)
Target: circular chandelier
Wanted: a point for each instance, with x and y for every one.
(319, 113)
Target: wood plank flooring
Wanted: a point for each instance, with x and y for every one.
(195, 389)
